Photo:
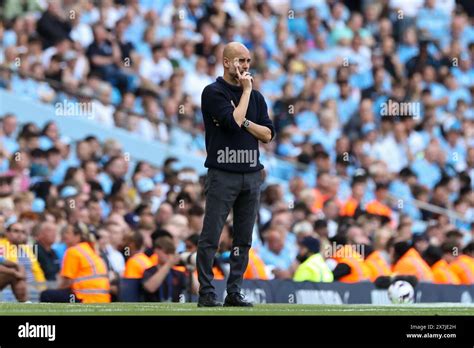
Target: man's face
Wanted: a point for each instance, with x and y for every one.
(95, 210)
(16, 234)
(5, 187)
(104, 240)
(69, 238)
(240, 61)
(115, 235)
(48, 234)
(9, 125)
(162, 256)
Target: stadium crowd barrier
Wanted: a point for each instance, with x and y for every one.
(287, 291)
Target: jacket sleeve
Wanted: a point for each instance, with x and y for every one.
(216, 106)
(263, 118)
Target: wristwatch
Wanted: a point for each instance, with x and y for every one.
(246, 123)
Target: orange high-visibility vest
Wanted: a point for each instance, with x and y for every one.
(218, 273)
(137, 265)
(154, 259)
(319, 200)
(255, 268)
(378, 265)
(88, 272)
(411, 263)
(442, 273)
(359, 270)
(349, 207)
(378, 208)
(463, 267)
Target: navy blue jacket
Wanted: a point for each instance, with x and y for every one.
(230, 147)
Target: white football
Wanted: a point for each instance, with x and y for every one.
(401, 292)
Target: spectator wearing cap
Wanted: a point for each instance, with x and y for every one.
(312, 266)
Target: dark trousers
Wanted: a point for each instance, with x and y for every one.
(225, 191)
(58, 296)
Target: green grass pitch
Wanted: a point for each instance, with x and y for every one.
(261, 309)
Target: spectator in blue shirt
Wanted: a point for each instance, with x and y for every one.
(275, 252)
(427, 169)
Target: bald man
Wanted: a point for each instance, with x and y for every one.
(235, 119)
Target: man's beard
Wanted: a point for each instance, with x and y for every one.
(235, 77)
(302, 258)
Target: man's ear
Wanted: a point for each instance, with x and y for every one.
(226, 63)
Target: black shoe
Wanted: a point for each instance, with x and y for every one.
(208, 300)
(236, 299)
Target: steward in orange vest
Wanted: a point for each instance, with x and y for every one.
(138, 262)
(407, 261)
(377, 262)
(350, 266)
(320, 192)
(350, 206)
(83, 272)
(255, 268)
(463, 265)
(378, 205)
(439, 259)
